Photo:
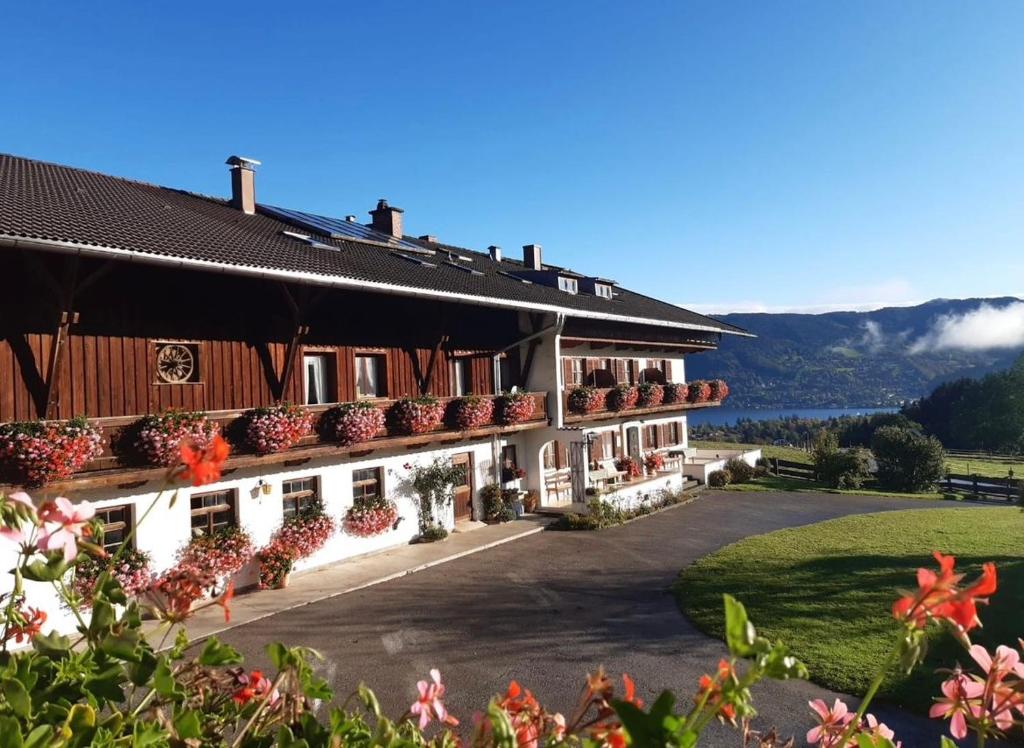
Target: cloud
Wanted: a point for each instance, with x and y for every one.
(980, 329)
(873, 338)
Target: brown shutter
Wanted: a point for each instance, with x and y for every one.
(567, 371)
(620, 370)
(668, 371)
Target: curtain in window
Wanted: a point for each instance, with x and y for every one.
(367, 379)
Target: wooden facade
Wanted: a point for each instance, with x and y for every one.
(83, 341)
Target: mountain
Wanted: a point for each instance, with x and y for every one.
(859, 359)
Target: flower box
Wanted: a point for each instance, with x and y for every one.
(353, 423)
(370, 516)
(158, 438)
(698, 392)
(473, 412)
(417, 416)
(719, 390)
(650, 395)
(39, 452)
(622, 397)
(585, 399)
(674, 392)
(221, 554)
(515, 407)
(269, 430)
(131, 569)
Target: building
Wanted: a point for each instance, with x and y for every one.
(126, 299)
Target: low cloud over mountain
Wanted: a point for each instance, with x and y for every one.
(984, 328)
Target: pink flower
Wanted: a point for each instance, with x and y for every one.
(832, 722)
(429, 705)
(20, 506)
(958, 693)
(1003, 697)
(63, 524)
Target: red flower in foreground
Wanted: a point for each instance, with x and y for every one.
(939, 596)
(255, 686)
(31, 625)
(203, 466)
(225, 599)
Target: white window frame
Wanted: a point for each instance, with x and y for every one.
(379, 376)
(569, 285)
(462, 377)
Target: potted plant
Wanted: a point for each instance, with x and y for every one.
(353, 423)
(629, 466)
(650, 395)
(719, 390)
(674, 392)
(497, 504)
(530, 501)
(622, 397)
(277, 428)
(369, 516)
(158, 438)
(585, 399)
(39, 452)
(276, 562)
(515, 407)
(473, 412)
(415, 416)
(654, 461)
(698, 392)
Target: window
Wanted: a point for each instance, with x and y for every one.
(317, 379)
(370, 376)
(177, 363)
(300, 494)
(367, 483)
(212, 512)
(552, 456)
(117, 522)
(509, 463)
(600, 289)
(462, 378)
(673, 430)
(577, 371)
(630, 371)
(505, 381)
(569, 285)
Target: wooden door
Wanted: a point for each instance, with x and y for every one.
(464, 488)
(633, 443)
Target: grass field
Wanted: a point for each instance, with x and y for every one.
(826, 590)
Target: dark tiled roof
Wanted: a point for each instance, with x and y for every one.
(57, 203)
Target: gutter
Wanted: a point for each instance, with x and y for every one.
(144, 258)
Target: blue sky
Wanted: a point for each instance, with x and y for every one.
(719, 155)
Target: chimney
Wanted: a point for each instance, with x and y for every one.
(429, 238)
(386, 219)
(495, 253)
(531, 257)
(243, 183)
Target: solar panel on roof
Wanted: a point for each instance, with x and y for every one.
(338, 228)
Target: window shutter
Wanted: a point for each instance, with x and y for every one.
(620, 370)
(668, 371)
(567, 371)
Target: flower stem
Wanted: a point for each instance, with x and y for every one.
(876, 683)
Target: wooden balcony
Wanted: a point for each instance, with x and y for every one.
(605, 413)
(108, 470)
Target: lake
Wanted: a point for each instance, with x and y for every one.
(729, 416)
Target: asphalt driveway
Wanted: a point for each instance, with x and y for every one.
(546, 609)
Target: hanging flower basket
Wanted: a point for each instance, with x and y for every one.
(654, 462)
(650, 395)
(276, 429)
(699, 392)
(415, 416)
(473, 412)
(276, 561)
(158, 439)
(515, 407)
(306, 532)
(585, 399)
(622, 397)
(719, 390)
(37, 452)
(370, 516)
(629, 466)
(674, 392)
(353, 423)
(131, 570)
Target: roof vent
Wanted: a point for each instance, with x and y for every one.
(386, 219)
(350, 218)
(532, 257)
(243, 183)
(495, 252)
(429, 238)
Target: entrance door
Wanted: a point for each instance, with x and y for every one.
(464, 488)
(633, 442)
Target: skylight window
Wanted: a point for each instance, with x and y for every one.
(416, 260)
(471, 271)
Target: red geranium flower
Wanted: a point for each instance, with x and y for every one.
(203, 466)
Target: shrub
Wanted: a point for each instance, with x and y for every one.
(415, 416)
(718, 479)
(433, 534)
(473, 412)
(574, 521)
(353, 423)
(698, 392)
(907, 460)
(761, 471)
(719, 390)
(158, 438)
(369, 516)
(494, 499)
(585, 399)
(515, 407)
(650, 395)
(739, 471)
(674, 392)
(276, 429)
(37, 452)
(622, 397)
(762, 462)
(838, 468)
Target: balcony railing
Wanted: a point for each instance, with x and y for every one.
(109, 469)
(602, 405)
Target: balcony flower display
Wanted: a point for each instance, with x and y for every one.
(221, 554)
(719, 390)
(654, 462)
(353, 423)
(473, 412)
(158, 438)
(415, 416)
(369, 516)
(36, 453)
(131, 569)
(629, 466)
(276, 429)
(699, 392)
(650, 395)
(622, 397)
(585, 399)
(515, 407)
(674, 392)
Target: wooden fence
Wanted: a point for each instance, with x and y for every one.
(957, 454)
(984, 488)
(790, 469)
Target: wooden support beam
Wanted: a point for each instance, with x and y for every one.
(428, 377)
(285, 380)
(57, 346)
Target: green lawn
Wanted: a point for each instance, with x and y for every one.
(781, 483)
(987, 468)
(826, 590)
(794, 454)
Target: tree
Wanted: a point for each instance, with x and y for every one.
(907, 460)
(838, 468)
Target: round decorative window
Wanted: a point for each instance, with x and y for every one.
(175, 363)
